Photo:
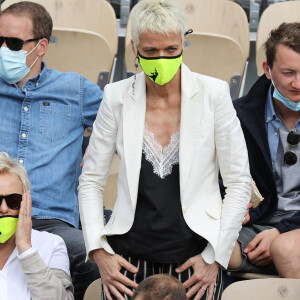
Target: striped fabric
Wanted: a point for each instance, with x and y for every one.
(147, 269)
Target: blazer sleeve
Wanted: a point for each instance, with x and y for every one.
(95, 172)
(44, 282)
(232, 157)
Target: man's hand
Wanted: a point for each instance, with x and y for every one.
(204, 277)
(23, 233)
(247, 215)
(83, 158)
(113, 281)
(258, 250)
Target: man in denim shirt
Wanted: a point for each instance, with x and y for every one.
(43, 114)
(270, 119)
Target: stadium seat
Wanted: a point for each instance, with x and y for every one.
(94, 290)
(217, 56)
(83, 51)
(271, 18)
(263, 289)
(81, 17)
(221, 24)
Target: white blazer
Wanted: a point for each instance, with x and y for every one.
(211, 139)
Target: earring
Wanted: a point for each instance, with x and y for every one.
(136, 60)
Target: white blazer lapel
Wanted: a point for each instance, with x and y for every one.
(189, 125)
(134, 110)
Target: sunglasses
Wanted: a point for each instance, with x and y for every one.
(290, 157)
(13, 201)
(15, 44)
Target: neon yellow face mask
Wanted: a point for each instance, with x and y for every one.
(8, 226)
(160, 70)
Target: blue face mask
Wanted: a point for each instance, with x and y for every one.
(295, 106)
(13, 64)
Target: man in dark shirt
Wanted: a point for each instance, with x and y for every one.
(270, 119)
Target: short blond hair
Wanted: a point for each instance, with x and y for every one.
(159, 16)
(8, 165)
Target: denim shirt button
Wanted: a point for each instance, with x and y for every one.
(25, 108)
(24, 135)
(21, 161)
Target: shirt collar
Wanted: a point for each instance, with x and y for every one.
(270, 110)
(36, 80)
(13, 255)
(41, 76)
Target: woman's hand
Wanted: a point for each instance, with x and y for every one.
(204, 277)
(113, 281)
(23, 233)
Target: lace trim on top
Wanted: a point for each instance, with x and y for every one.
(162, 159)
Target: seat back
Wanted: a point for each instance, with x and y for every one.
(263, 289)
(226, 54)
(270, 19)
(68, 51)
(218, 17)
(94, 290)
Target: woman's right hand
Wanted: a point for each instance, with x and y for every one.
(23, 233)
(113, 280)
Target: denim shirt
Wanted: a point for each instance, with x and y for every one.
(273, 123)
(42, 125)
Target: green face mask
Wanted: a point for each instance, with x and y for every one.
(160, 70)
(8, 226)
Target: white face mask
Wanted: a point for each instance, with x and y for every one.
(295, 106)
(13, 66)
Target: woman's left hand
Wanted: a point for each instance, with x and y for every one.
(204, 277)
(23, 234)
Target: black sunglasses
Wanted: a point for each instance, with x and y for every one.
(13, 201)
(15, 44)
(290, 157)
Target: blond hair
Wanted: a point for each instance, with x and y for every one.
(8, 165)
(160, 16)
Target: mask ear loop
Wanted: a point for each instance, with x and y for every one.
(136, 60)
(36, 57)
(271, 75)
(273, 81)
(34, 48)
